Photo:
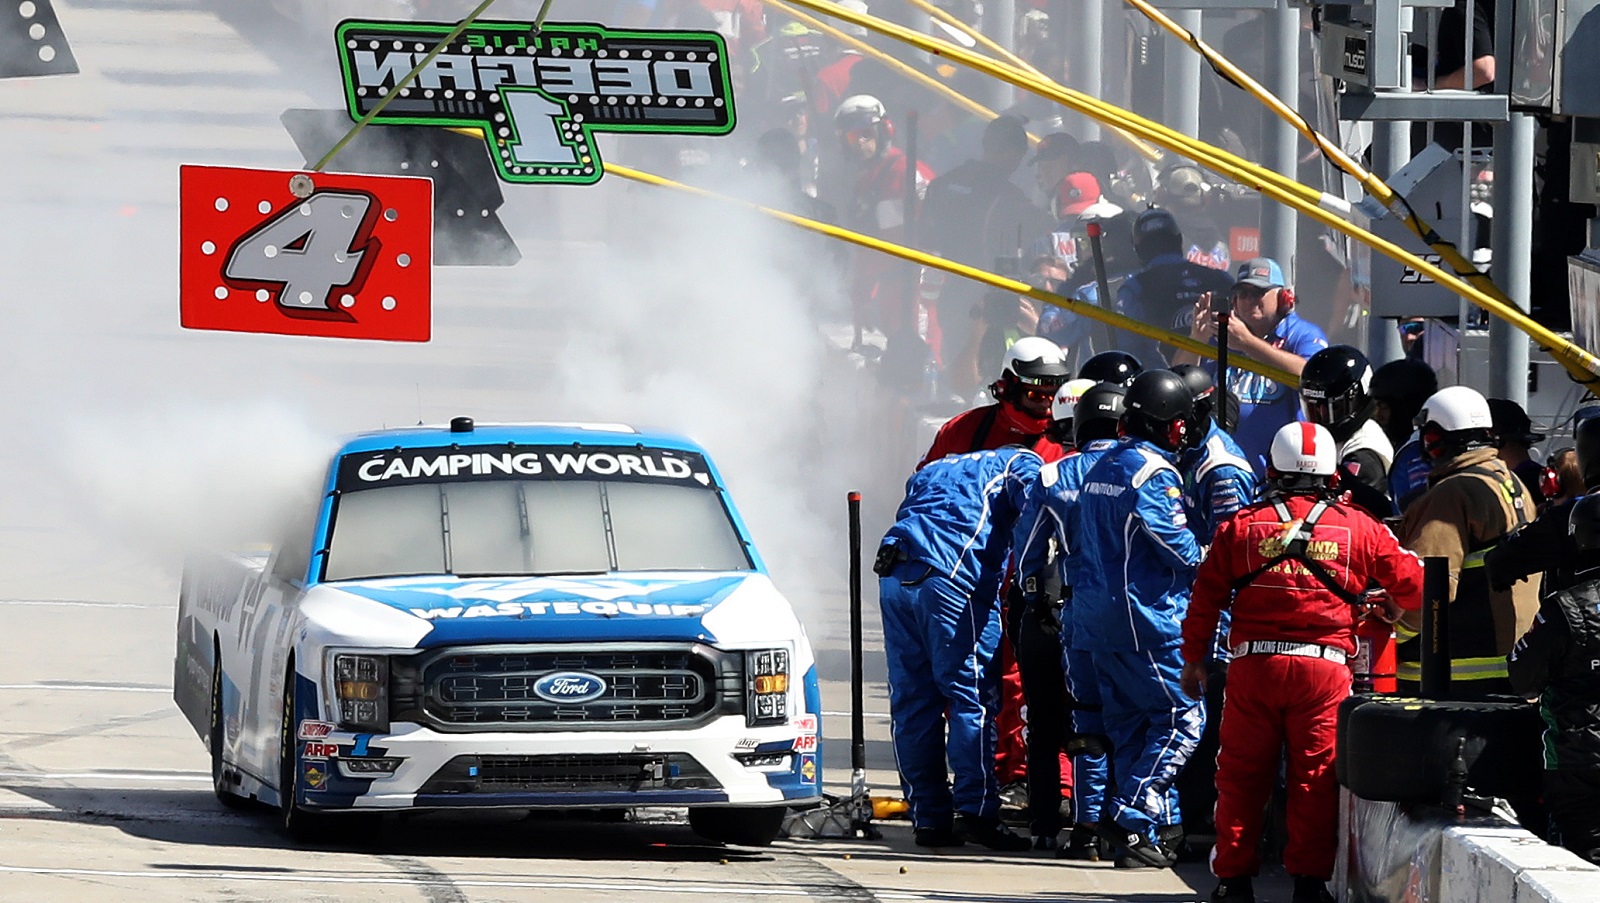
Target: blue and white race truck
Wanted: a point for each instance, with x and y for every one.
(523, 616)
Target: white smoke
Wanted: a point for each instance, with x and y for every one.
(132, 441)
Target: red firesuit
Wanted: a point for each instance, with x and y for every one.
(882, 291)
(986, 427)
(1291, 636)
(992, 426)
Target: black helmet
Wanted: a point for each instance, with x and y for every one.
(1117, 367)
(1335, 390)
(1583, 525)
(1403, 385)
(1098, 412)
(1203, 389)
(1156, 232)
(1160, 410)
(1587, 436)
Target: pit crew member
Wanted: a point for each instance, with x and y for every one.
(1292, 569)
(1034, 369)
(1335, 392)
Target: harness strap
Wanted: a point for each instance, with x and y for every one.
(1295, 549)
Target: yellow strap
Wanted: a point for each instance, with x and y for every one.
(1474, 559)
(1460, 669)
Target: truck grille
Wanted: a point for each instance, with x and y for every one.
(495, 688)
(624, 772)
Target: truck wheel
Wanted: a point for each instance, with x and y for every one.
(745, 827)
(219, 782)
(1401, 750)
(294, 819)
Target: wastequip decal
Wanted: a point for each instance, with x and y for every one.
(540, 95)
(554, 608)
(408, 466)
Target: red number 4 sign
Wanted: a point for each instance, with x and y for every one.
(311, 254)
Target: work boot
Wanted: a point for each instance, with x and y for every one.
(1083, 844)
(1235, 890)
(1175, 843)
(940, 836)
(1045, 843)
(1311, 890)
(988, 832)
(1135, 849)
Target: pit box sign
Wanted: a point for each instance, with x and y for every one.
(333, 255)
(541, 95)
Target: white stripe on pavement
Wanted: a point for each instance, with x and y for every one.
(109, 775)
(78, 603)
(98, 688)
(653, 888)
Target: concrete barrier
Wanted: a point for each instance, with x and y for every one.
(1389, 856)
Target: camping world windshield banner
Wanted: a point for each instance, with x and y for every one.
(541, 96)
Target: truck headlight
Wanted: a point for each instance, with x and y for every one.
(361, 685)
(767, 687)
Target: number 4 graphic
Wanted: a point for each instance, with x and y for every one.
(308, 250)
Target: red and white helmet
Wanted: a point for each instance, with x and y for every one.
(1067, 398)
(1304, 448)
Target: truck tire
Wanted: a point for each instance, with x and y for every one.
(1393, 749)
(294, 820)
(744, 827)
(219, 781)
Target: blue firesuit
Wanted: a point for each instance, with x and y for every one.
(1053, 500)
(1218, 481)
(1163, 294)
(938, 594)
(1408, 475)
(1134, 560)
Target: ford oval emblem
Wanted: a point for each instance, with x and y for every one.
(569, 686)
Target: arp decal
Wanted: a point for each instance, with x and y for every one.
(315, 750)
(540, 94)
(311, 254)
(315, 730)
(805, 743)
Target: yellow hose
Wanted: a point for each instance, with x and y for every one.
(1375, 186)
(1083, 308)
(1584, 367)
(911, 72)
(1144, 148)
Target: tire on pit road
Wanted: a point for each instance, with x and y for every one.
(1393, 749)
(219, 782)
(756, 827)
(295, 820)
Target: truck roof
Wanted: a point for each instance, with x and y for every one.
(538, 433)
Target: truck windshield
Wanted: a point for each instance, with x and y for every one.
(530, 527)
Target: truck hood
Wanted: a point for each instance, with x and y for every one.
(649, 607)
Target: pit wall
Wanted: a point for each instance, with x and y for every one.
(1387, 856)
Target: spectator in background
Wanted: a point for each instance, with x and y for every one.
(1452, 70)
(1556, 659)
(1264, 328)
(1167, 290)
(1182, 189)
(1514, 436)
(973, 215)
(1074, 195)
(1567, 480)
(1544, 546)
(1052, 161)
(1100, 158)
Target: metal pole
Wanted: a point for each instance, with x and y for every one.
(1435, 639)
(1180, 69)
(1000, 22)
(1087, 34)
(1511, 235)
(1222, 306)
(1102, 282)
(858, 731)
(1391, 150)
(1280, 141)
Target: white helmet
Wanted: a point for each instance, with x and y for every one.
(1456, 408)
(858, 110)
(1304, 448)
(1036, 361)
(1067, 398)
